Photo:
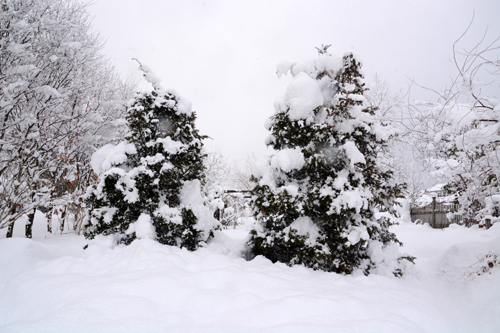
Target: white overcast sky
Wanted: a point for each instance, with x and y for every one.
(222, 55)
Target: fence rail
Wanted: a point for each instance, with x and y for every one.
(439, 215)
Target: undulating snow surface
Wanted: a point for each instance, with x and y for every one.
(50, 284)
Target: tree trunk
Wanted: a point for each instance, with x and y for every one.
(48, 215)
(28, 229)
(63, 219)
(10, 229)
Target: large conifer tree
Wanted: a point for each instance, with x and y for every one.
(149, 185)
(315, 198)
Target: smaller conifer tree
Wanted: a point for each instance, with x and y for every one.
(150, 185)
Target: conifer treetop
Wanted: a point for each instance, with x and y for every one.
(183, 105)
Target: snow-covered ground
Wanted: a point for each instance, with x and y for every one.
(50, 284)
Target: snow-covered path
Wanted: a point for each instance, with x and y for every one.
(50, 284)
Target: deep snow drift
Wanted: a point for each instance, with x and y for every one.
(50, 284)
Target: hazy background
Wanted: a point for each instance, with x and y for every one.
(222, 55)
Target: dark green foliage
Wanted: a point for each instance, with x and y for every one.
(337, 194)
(185, 236)
(123, 212)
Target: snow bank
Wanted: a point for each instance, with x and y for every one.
(148, 287)
(50, 284)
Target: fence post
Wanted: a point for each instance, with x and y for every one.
(433, 218)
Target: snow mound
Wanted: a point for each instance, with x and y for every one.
(305, 92)
(110, 155)
(149, 287)
(464, 261)
(288, 159)
(143, 227)
(50, 284)
(303, 95)
(191, 197)
(305, 227)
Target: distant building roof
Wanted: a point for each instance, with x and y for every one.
(436, 188)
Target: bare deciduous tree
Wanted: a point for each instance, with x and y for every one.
(458, 133)
(59, 98)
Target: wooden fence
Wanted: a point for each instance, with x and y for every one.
(439, 215)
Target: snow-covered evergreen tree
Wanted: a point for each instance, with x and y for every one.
(150, 184)
(315, 198)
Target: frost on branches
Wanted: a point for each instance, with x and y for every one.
(150, 185)
(315, 198)
(59, 98)
(458, 134)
